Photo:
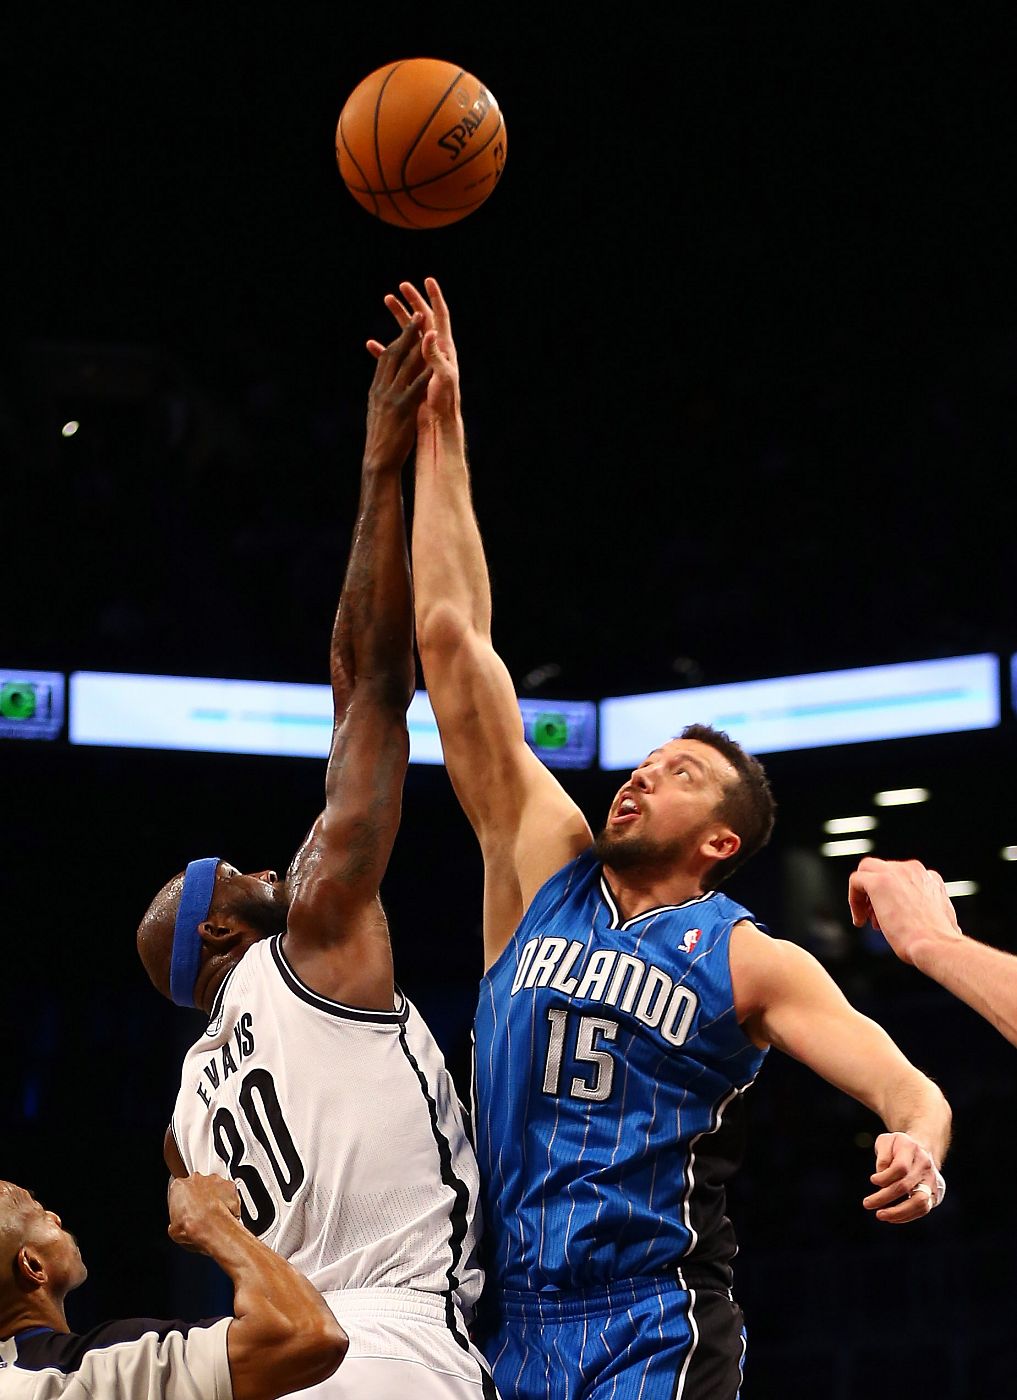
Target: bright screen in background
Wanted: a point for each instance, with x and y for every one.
(31, 704)
(805, 712)
(563, 733)
(279, 718)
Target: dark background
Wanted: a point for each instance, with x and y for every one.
(739, 353)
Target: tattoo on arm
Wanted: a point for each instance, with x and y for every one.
(373, 631)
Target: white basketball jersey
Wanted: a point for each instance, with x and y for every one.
(342, 1130)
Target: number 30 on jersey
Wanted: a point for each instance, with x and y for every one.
(259, 1104)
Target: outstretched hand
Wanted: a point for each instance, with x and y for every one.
(442, 402)
(908, 1183)
(401, 377)
(903, 901)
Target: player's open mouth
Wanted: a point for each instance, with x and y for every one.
(626, 811)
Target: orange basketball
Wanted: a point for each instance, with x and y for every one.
(420, 143)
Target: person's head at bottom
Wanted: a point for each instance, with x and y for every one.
(282, 1336)
(40, 1262)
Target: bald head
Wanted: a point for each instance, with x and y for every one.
(242, 909)
(155, 934)
(39, 1261)
(15, 1203)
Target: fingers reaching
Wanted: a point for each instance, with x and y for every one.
(405, 345)
(404, 317)
(398, 310)
(862, 912)
(442, 319)
(903, 901)
(418, 302)
(432, 316)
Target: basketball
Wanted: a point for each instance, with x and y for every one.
(420, 143)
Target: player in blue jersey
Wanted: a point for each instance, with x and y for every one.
(626, 1006)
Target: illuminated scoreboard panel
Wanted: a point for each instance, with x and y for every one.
(284, 719)
(813, 711)
(562, 733)
(287, 719)
(31, 704)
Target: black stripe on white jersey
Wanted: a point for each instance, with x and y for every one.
(334, 1008)
(458, 1219)
(470, 1114)
(617, 921)
(213, 1016)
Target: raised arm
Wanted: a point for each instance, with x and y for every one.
(784, 998)
(527, 825)
(909, 905)
(334, 878)
(283, 1336)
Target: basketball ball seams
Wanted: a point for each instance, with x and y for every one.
(432, 179)
(402, 214)
(459, 165)
(377, 146)
(420, 134)
(377, 122)
(359, 168)
(402, 127)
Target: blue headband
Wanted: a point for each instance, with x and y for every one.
(195, 901)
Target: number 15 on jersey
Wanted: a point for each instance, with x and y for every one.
(596, 1081)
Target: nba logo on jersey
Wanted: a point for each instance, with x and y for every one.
(692, 937)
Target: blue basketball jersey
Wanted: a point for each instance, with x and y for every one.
(609, 1073)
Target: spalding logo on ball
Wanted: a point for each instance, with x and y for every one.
(420, 143)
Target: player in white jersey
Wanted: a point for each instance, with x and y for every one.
(316, 1085)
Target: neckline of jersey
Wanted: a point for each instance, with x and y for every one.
(220, 995)
(623, 924)
(336, 1008)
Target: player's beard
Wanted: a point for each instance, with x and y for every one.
(637, 852)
